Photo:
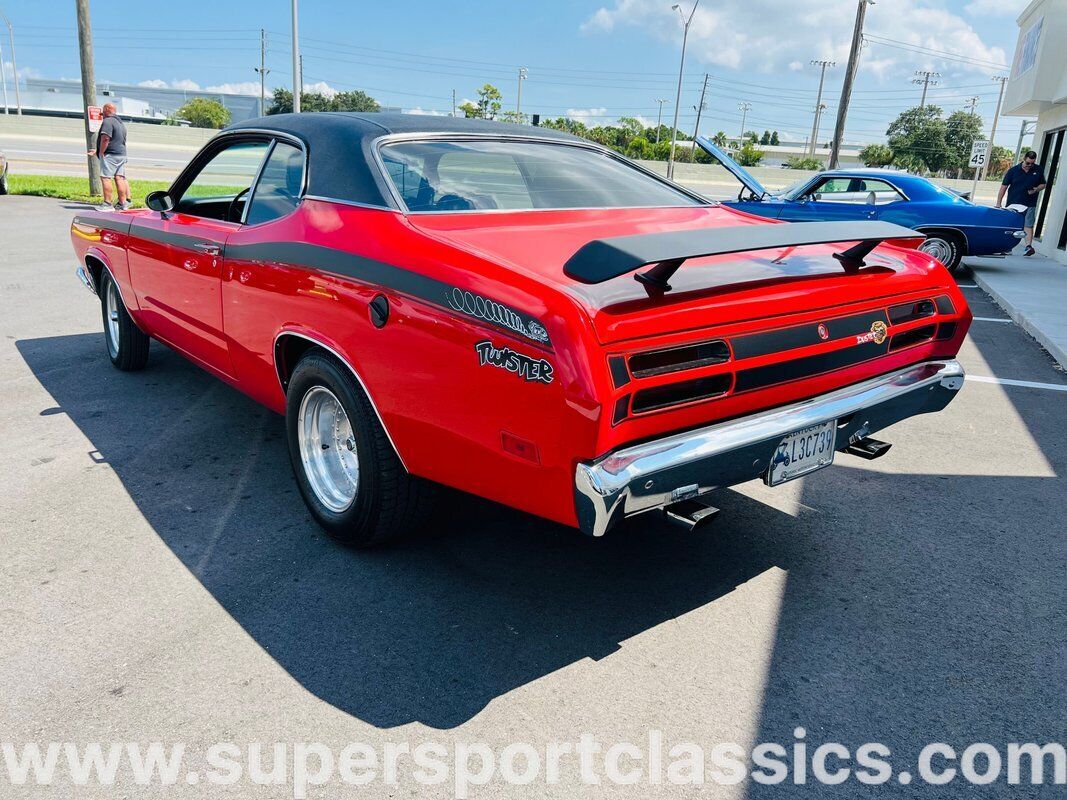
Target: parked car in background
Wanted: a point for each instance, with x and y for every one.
(519, 314)
(3, 174)
(954, 226)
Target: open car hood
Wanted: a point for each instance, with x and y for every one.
(732, 166)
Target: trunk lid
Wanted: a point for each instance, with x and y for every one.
(767, 285)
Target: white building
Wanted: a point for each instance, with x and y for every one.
(1038, 89)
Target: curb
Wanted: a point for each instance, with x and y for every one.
(1023, 321)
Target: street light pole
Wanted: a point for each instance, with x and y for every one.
(262, 70)
(744, 109)
(659, 117)
(14, 64)
(700, 109)
(681, 70)
(850, 78)
(1022, 134)
(298, 79)
(818, 101)
(518, 103)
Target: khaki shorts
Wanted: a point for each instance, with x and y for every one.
(111, 166)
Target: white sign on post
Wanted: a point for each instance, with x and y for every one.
(979, 154)
(95, 115)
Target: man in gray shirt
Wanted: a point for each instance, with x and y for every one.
(111, 150)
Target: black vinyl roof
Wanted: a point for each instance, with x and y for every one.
(341, 161)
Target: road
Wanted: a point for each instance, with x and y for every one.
(37, 155)
(162, 582)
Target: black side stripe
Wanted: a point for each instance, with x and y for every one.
(182, 240)
(119, 226)
(761, 344)
(379, 273)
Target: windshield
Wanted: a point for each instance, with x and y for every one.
(478, 175)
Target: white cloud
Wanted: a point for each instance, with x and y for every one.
(320, 87)
(796, 66)
(186, 84)
(426, 112)
(995, 8)
(242, 87)
(155, 83)
(24, 72)
(590, 116)
(785, 35)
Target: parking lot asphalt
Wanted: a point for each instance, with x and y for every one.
(163, 582)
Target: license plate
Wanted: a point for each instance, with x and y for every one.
(803, 452)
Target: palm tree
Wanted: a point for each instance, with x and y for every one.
(719, 139)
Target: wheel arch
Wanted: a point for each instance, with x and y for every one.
(291, 346)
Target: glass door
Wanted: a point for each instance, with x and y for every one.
(1050, 159)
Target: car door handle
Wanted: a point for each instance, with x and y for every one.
(209, 248)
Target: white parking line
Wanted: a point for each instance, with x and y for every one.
(992, 319)
(1055, 387)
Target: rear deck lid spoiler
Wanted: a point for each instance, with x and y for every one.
(603, 259)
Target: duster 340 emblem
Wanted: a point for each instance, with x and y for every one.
(531, 369)
(876, 334)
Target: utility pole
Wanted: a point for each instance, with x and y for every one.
(850, 78)
(14, 65)
(659, 117)
(3, 80)
(818, 101)
(85, 52)
(681, 69)
(700, 109)
(973, 103)
(298, 78)
(1002, 80)
(924, 77)
(1022, 134)
(453, 102)
(262, 69)
(518, 103)
(744, 108)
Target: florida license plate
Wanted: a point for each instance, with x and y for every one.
(803, 452)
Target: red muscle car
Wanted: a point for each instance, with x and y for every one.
(519, 314)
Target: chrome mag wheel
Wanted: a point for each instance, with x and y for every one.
(113, 305)
(938, 248)
(328, 449)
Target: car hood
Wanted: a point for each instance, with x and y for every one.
(724, 289)
(732, 166)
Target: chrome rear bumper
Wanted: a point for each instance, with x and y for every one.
(655, 474)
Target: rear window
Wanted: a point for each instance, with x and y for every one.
(480, 175)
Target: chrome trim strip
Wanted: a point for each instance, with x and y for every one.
(86, 277)
(351, 369)
(622, 483)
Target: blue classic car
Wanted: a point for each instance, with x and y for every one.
(954, 226)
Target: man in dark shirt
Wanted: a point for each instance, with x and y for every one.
(111, 150)
(1022, 183)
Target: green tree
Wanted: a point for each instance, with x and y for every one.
(876, 155)
(352, 101)
(751, 136)
(774, 138)
(572, 126)
(639, 147)
(765, 138)
(803, 162)
(961, 130)
(749, 155)
(918, 138)
(720, 140)
(201, 112)
(514, 116)
(1000, 161)
(282, 102)
(487, 106)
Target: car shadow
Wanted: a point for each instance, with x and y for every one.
(486, 600)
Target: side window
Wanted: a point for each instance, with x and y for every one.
(855, 190)
(278, 190)
(220, 189)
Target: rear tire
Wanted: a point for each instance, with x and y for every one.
(3, 183)
(348, 472)
(945, 246)
(127, 345)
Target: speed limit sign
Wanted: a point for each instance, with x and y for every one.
(979, 154)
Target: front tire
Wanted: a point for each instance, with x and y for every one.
(3, 184)
(127, 345)
(350, 476)
(945, 247)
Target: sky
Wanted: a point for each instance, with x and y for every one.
(594, 61)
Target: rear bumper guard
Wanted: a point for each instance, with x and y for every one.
(656, 474)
